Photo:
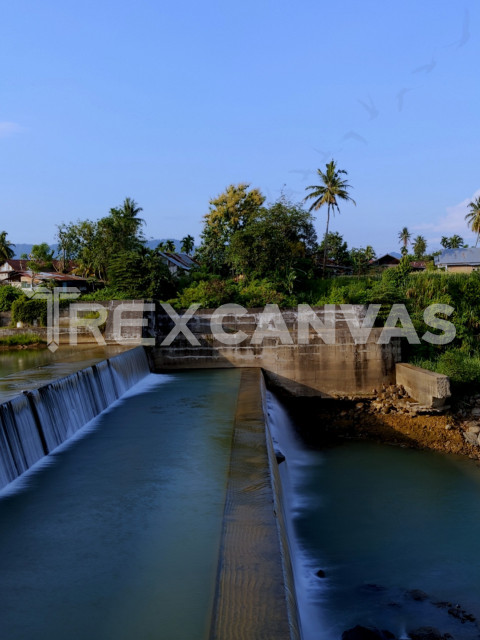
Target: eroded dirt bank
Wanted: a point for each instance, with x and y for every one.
(389, 417)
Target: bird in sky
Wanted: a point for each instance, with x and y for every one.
(426, 68)
(370, 108)
(465, 37)
(352, 135)
(401, 96)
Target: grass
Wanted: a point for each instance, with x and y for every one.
(21, 339)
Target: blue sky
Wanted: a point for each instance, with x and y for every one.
(169, 103)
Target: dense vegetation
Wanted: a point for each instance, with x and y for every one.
(253, 253)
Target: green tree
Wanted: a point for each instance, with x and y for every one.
(277, 243)
(473, 217)
(6, 251)
(336, 248)
(360, 259)
(228, 213)
(453, 242)
(169, 246)
(332, 187)
(141, 274)
(419, 247)
(188, 243)
(404, 237)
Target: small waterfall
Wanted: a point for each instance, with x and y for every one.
(34, 424)
(128, 368)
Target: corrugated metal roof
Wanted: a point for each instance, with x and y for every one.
(181, 260)
(470, 256)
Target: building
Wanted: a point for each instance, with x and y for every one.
(17, 274)
(459, 260)
(178, 262)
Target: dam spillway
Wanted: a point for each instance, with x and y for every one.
(33, 424)
(117, 536)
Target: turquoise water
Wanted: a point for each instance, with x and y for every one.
(380, 521)
(116, 537)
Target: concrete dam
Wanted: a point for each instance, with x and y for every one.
(172, 491)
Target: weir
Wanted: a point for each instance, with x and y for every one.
(35, 423)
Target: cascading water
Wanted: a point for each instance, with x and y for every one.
(34, 424)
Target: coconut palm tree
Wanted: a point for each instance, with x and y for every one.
(419, 246)
(473, 217)
(332, 187)
(187, 244)
(404, 237)
(6, 251)
(456, 242)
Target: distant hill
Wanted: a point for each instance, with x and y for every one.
(21, 248)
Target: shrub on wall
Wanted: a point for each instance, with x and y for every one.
(8, 295)
(29, 311)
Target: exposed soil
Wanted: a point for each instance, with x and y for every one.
(324, 422)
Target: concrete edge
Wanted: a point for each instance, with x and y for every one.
(292, 606)
(251, 601)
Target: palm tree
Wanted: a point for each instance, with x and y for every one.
(419, 246)
(187, 244)
(331, 188)
(404, 237)
(456, 242)
(169, 246)
(6, 251)
(445, 242)
(473, 217)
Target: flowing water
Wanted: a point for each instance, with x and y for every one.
(114, 535)
(25, 369)
(383, 524)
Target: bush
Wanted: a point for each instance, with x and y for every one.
(8, 295)
(27, 311)
(457, 364)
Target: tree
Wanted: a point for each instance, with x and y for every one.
(188, 243)
(336, 248)
(419, 247)
(275, 244)
(141, 274)
(169, 246)
(331, 189)
(6, 251)
(454, 242)
(360, 259)
(229, 212)
(473, 217)
(404, 237)
(42, 255)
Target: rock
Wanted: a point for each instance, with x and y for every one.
(367, 633)
(470, 438)
(476, 412)
(417, 594)
(359, 405)
(428, 633)
(474, 429)
(448, 427)
(370, 587)
(280, 457)
(320, 573)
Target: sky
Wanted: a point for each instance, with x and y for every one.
(169, 103)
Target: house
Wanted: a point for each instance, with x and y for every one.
(418, 265)
(178, 262)
(17, 274)
(386, 261)
(28, 280)
(459, 260)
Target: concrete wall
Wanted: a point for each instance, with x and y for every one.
(426, 387)
(317, 368)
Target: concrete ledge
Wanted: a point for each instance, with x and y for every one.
(250, 601)
(428, 388)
